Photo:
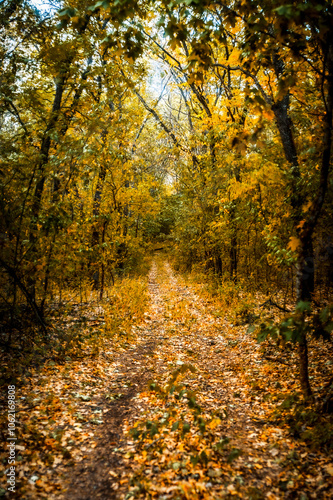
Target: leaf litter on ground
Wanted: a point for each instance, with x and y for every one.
(178, 403)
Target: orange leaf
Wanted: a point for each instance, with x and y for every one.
(294, 243)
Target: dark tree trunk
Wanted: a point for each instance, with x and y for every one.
(218, 265)
(304, 291)
(45, 148)
(305, 267)
(304, 279)
(283, 122)
(233, 258)
(97, 224)
(305, 263)
(101, 291)
(305, 271)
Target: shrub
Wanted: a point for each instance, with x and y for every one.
(127, 305)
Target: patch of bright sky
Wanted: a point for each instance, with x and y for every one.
(155, 79)
(46, 7)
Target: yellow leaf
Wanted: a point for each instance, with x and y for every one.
(268, 114)
(307, 206)
(329, 470)
(214, 423)
(294, 243)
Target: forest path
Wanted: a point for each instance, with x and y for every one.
(240, 454)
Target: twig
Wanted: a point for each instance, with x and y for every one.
(276, 360)
(27, 408)
(272, 303)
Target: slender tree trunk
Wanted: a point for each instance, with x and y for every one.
(233, 257)
(96, 226)
(47, 274)
(101, 292)
(305, 264)
(305, 261)
(218, 265)
(305, 272)
(304, 291)
(304, 280)
(45, 148)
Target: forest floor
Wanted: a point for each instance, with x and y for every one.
(211, 424)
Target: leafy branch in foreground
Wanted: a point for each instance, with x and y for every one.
(302, 322)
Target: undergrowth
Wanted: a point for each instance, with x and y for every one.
(310, 423)
(230, 299)
(78, 330)
(305, 422)
(126, 306)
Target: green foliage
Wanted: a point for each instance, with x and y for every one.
(278, 251)
(301, 322)
(160, 227)
(306, 423)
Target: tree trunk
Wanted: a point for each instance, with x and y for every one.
(304, 291)
(305, 271)
(305, 264)
(233, 258)
(233, 242)
(218, 265)
(97, 223)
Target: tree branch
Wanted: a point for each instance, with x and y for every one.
(266, 97)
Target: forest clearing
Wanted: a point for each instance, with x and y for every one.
(166, 249)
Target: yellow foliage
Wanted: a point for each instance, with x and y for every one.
(127, 305)
(268, 174)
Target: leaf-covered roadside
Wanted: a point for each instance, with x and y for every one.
(61, 403)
